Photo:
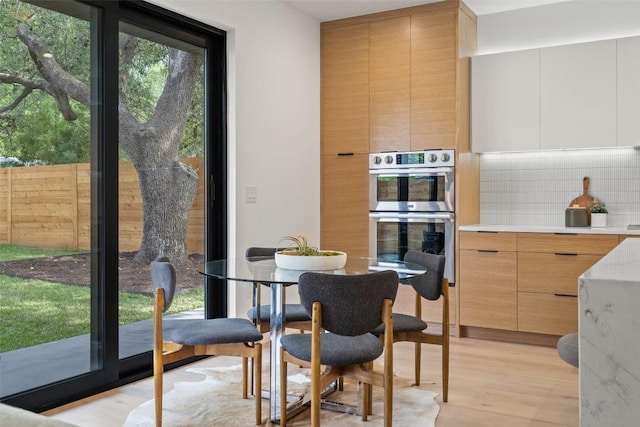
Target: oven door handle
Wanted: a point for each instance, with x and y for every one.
(394, 215)
(410, 171)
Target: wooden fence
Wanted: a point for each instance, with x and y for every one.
(49, 207)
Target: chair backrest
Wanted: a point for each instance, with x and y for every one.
(351, 304)
(428, 285)
(163, 275)
(257, 251)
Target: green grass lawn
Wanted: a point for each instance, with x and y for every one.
(34, 312)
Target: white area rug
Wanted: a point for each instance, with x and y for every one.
(217, 401)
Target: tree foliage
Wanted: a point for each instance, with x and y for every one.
(32, 128)
(45, 78)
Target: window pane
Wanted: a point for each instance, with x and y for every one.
(45, 196)
(160, 187)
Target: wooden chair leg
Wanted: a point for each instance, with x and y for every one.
(365, 391)
(417, 360)
(257, 374)
(245, 393)
(445, 373)
(157, 387)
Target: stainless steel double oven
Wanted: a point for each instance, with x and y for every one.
(411, 205)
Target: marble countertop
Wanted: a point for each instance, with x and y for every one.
(608, 344)
(622, 264)
(549, 229)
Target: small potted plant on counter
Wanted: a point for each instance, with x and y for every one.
(598, 214)
(305, 257)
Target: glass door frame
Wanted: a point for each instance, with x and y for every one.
(107, 370)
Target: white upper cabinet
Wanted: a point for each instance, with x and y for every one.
(572, 96)
(578, 95)
(629, 91)
(505, 101)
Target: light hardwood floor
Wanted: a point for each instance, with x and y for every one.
(491, 384)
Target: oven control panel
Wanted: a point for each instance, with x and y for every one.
(412, 159)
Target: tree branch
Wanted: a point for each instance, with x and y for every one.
(62, 84)
(28, 87)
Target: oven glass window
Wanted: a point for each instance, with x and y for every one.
(412, 188)
(394, 239)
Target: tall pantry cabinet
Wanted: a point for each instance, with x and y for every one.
(391, 81)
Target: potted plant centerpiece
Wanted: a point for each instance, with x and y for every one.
(302, 256)
(598, 214)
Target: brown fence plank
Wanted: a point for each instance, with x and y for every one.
(50, 206)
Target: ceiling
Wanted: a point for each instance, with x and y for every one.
(328, 10)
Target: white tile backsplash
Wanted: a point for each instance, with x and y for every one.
(535, 188)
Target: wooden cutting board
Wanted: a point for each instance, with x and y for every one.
(583, 201)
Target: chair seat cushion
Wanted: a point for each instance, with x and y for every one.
(292, 313)
(212, 331)
(335, 350)
(403, 323)
(568, 349)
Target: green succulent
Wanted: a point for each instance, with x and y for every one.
(597, 207)
(303, 248)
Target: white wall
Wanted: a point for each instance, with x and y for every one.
(274, 122)
(535, 188)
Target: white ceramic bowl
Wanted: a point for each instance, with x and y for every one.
(321, 262)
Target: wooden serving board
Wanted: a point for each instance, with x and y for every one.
(583, 201)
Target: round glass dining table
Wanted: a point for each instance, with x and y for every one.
(264, 270)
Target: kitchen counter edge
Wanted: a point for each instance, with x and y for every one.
(549, 229)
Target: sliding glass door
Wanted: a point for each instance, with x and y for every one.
(113, 119)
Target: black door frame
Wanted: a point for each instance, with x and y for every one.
(110, 371)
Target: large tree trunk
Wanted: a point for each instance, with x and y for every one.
(167, 186)
(167, 196)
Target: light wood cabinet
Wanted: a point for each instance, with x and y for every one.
(548, 269)
(390, 85)
(409, 69)
(578, 95)
(525, 282)
(505, 101)
(547, 313)
(433, 80)
(488, 291)
(628, 91)
(344, 218)
(552, 273)
(345, 90)
(567, 243)
(392, 81)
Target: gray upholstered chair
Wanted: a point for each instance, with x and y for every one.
(430, 286)
(187, 338)
(345, 308)
(568, 349)
(295, 316)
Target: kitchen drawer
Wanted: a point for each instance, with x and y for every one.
(547, 313)
(487, 240)
(552, 273)
(488, 292)
(567, 243)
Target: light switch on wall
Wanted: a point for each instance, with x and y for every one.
(252, 194)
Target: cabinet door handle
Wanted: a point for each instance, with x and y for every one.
(345, 154)
(487, 231)
(565, 254)
(566, 234)
(565, 295)
(488, 250)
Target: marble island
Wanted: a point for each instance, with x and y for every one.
(609, 339)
